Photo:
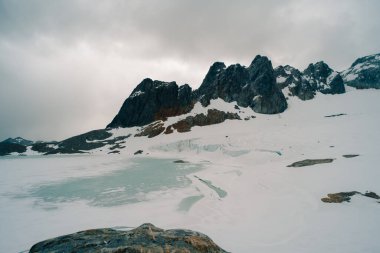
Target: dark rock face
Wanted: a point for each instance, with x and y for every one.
(146, 238)
(7, 147)
(151, 101)
(44, 147)
(323, 79)
(318, 77)
(364, 73)
(287, 76)
(254, 86)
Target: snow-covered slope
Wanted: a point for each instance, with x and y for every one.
(230, 181)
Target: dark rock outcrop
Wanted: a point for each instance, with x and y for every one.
(364, 73)
(288, 76)
(213, 117)
(346, 196)
(7, 148)
(309, 162)
(144, 239)
(151, 101)
(318, 77)
(254, 86)
(152, 130)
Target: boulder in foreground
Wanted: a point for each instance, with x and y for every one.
(144, 239)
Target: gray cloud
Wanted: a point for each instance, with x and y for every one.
(67, 66)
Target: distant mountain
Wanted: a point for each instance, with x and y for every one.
(18, 140)
(364, 73)
(257, 88)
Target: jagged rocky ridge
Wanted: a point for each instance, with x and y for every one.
(253, 86)
(258, 86)
(364, 73)
(318, 77)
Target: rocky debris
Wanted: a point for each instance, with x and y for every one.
(346, 196)
(350, 155)
(6, 148)
(151, 101)
(309, 162)
(152, 130)
(138, 152)
(253, 86)
(335, 115)
(146, 238)
(364, 73)
(213, 117)
(318, 77)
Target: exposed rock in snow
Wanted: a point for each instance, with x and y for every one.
(309, 162)
(146, 238)
(346, 196)
(364, 73)
(242, 84)
(318, 77)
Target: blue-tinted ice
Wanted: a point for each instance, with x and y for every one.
(125, 186)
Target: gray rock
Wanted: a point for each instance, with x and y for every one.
(145, 239)
(309, 162)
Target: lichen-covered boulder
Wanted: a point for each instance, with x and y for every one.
(145, 239)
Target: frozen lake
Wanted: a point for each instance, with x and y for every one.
(36, 193)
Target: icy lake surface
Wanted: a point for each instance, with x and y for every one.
(128, 185)
(49, 184)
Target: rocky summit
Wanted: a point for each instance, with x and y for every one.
(364, 73)
(254, 86)
(318, 77)
(145, 239)
(151, 101)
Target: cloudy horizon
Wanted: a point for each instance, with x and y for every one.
(66, 67)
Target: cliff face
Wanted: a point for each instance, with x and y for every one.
(151, 101)
(253, 86)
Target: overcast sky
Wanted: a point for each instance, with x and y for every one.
(67, 66)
